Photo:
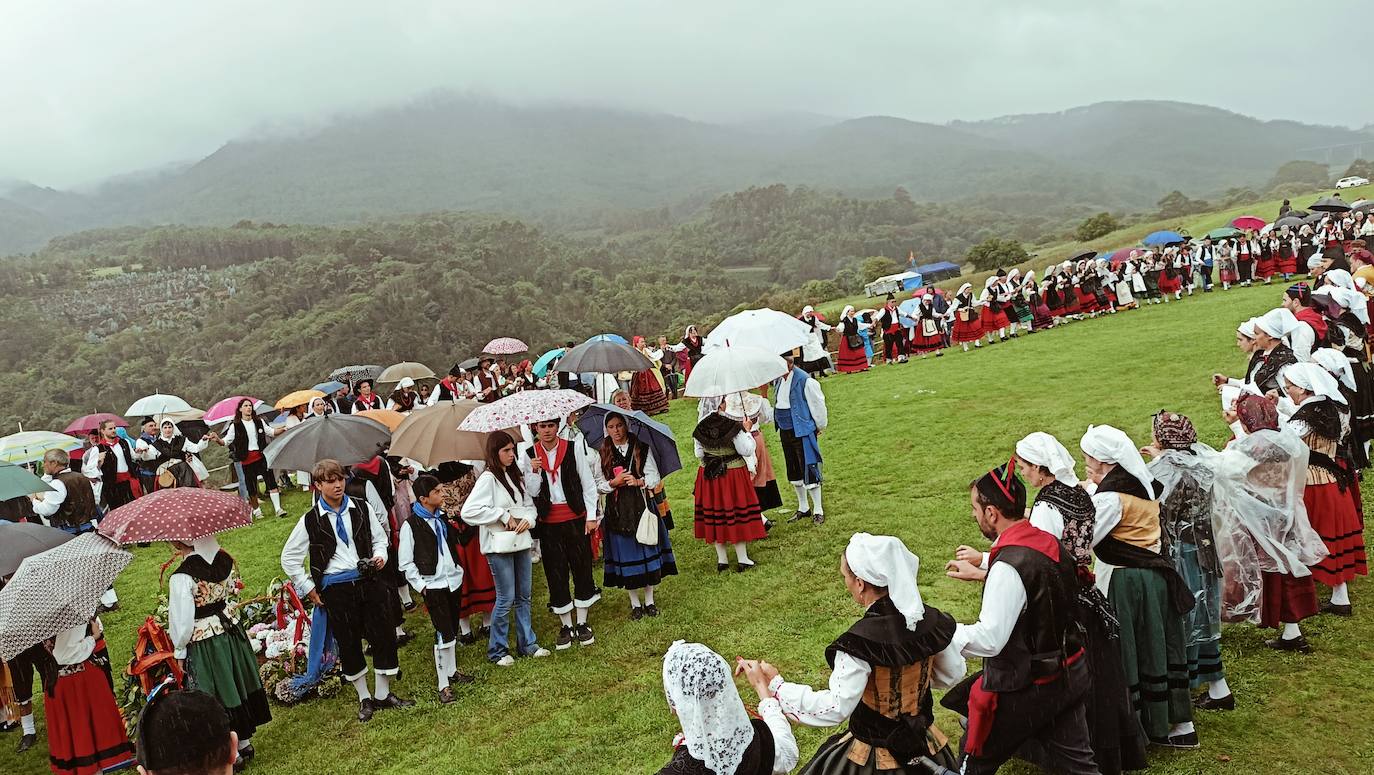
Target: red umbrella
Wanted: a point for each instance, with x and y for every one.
(1121, 255)
(176, 514)
(1249, 223)
(91, 422)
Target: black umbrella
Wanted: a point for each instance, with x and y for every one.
(469, 364)
(24, 539)
(1297, 214)
(1314, 218)
(603, 357)
(346, 438)
(195, 430)
(1330, 204)
(1290, 221)
(1365, 207)
(1083, 255)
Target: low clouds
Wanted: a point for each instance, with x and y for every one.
(95, 89)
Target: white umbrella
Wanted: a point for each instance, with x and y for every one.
(157, 403)
(57, 589)
(523, 408)
(766, 329)
(725, 370)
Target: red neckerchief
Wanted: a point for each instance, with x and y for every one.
(450, 384)
(1312, 318)
(1023, 533)
(373, 466)
(552, 468)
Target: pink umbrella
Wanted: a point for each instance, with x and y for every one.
(1121, 255)
(91, 422)
(1249, 223)
(523, 408)
(176, 514)
(505, 345)
(224, 410)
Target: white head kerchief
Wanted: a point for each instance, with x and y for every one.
(1278, 322)
(1112, 445)
(1336, 364)
(807, 310)
(990, 281)
(701, 691)
(1042, 449)
(1349, 298)
(963, 288)
(1247, 329)
(1339, 278)
(1314, 379)
(206, 548)
(848, 310)
(885, 561)
(165, 421)
(324, 407)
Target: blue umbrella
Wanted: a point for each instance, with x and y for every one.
(658, 436)
(906, 312)
(330, 388)
(1162, 238)
(617, 338)
(541, 366)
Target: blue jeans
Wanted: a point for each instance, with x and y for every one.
(512, 575)
(243, 486)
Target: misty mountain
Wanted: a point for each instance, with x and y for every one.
(454, 153)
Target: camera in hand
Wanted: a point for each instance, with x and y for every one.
(367, 569)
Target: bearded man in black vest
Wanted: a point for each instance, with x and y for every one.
(343, 540)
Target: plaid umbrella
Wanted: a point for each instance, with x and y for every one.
(346, 438)
(523, 408)
(29, 446)
(505, 345)
(176, 514)
(25, 539)
(16, 481)
(428, 435)
(91, 422)
(56, 590)
(351, 374)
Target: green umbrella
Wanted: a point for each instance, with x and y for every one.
(1224, 232)
(16, 481)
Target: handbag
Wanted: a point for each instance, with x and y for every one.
(509, 541)
(647, 531)
(854, 341)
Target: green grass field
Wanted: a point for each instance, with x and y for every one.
(904, 441)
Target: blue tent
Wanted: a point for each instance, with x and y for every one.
(939, 270)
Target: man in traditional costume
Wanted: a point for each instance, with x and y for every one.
(345, 546)
(454, 386)
(564, 483)
(801, 415)
(111, 461)
(882, 670)
(146, 467)
(365, 398)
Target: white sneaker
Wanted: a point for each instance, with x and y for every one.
(542, 652)
(257, 513)
(507, 660)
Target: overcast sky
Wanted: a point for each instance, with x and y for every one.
(95, 88)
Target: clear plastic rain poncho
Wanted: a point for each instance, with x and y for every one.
(1187, 537)
(1261, 523)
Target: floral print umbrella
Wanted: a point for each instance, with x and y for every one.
(505, 345)
(523, 408)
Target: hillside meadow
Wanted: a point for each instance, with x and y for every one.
(903, 444)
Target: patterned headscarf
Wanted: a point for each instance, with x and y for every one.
(701, 690)
(1174, 431)
(1257, 413)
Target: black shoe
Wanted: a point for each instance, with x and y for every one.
(1186, 742)
(9, 726)
(247, 753)
(800, 515)
(584, 635)
(767, 525)
(392, 702)
(651, 610)
(741, 567)
(365, 710)
(1206, 701)
(484, 631)
(408, 607)
(565, 638)
(1337, 610)
(404, 638)
(240, 764)
(460, 678)
(636, 613)
(722, 567)
(467, 638)
(818, 519)
(446, 695)
(1298, 644)
(26, 742)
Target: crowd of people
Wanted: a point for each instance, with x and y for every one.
(1103, 595)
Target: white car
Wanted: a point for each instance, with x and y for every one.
(1352, 182)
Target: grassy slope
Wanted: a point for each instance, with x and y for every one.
(903, 444)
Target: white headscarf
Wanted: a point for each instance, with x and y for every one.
(206, 548)
(1112, 445)
(1314, 379)
(310, 412)
(1042, 449)
(1349, 298)
(1339, 278)
(701, 691)
(885, 561)
(1336, 364)
(848, 310)
(166, 421)
(1278, 322)
(990, 281)
(1247, 329)
(807, 310)
(964, 287)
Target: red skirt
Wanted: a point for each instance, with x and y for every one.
(967, 330)
(478, 592)
(646, 395)
(1169, 284)
(1288, 264)
(85, 731)
(1071, 305)
(852, 359)
(1229, 276)
(1087, 302)
(727, 508)
(994, 320)
(1332, 514)
(920, 343)
(1286, 599)
(1264, 268)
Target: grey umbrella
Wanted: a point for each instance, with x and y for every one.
(351, 374)
(603, 357)
(346, 438)
(1330, 204)
(1290, 221)
(25, 539)
(56, 590)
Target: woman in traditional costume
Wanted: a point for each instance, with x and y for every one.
(968, 323)
(995, 320)
(926, 336)
(86, 734)
(646, 387)
(629, 473)
(757, 410)
(718, 737)
(218, 657)
(852, 357)
(815, 357)
(727, 507)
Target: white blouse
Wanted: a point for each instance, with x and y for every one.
(836, 703)
(744, 447)
(489, 507)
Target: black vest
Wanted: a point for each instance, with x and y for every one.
(1047, 631)
(1266, 376)
(215, 572)
(78, 508)
(238, 448)
(169, 449)
(319, 527)
(757, 760)
(572, 485)
(110, 468)
(881, 639)
(427, 543)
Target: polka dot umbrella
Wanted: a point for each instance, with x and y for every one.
(176, 514)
